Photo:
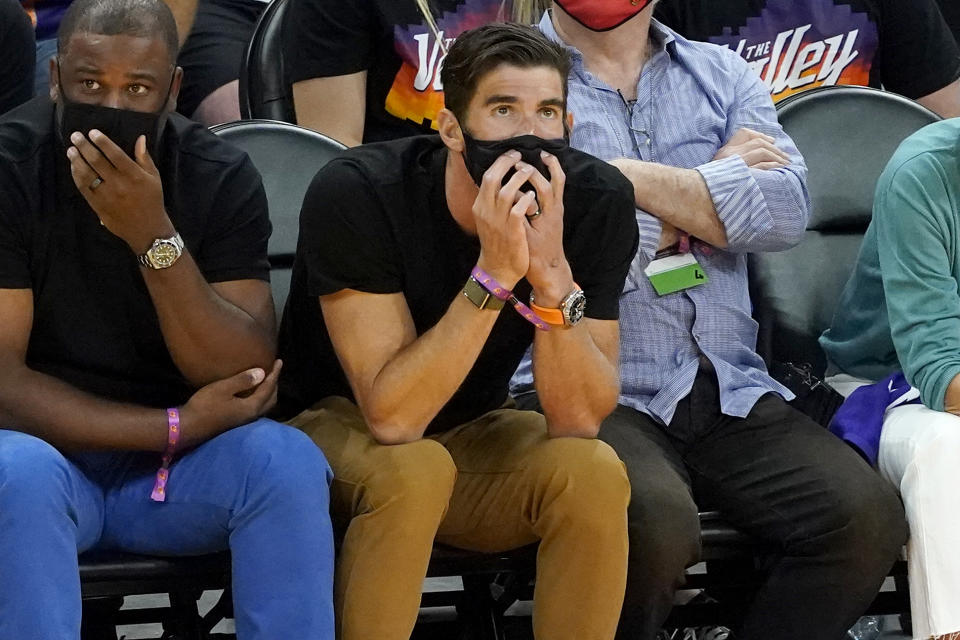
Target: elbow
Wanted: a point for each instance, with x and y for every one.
(387, 433)
(574, 430)
(391, 435)
(390, 429)
(584, 423)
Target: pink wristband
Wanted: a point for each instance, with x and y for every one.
(501, 292)
(159, 493)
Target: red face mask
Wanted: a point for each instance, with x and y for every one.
(602, 15)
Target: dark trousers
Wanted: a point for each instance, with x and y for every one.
(836, 525)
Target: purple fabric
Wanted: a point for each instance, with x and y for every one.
(859, 419)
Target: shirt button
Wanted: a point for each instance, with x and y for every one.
(678, 357)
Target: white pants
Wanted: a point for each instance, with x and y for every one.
(920, 455)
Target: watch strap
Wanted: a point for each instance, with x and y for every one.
(550, 316)
(556, 316)
(480, 296)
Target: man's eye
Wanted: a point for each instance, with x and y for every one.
(138, 89)
(503, 110)
(90, 85)
(548, 113)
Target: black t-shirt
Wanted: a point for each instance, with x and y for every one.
(905, 47)
(94, 323)
(392, 41)
(17, 53)
(376, 220)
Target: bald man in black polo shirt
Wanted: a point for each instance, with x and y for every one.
(138, 332)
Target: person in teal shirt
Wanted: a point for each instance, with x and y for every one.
(901, 310)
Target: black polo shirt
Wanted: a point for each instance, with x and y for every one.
(375, 219)
(94, 323)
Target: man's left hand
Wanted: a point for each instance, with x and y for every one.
(126, 194)
(549, 273)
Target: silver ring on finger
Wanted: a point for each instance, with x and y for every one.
(96, 183)
(533, 216)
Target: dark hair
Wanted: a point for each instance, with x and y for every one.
(140, 18)
(479, 51)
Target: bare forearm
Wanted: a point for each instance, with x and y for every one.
(576, 382)
(183, 12)
(71, 419)
(678, 197)
(421, 378)
(209, 338)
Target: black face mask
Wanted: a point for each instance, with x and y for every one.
(479, 155)
(122, 126)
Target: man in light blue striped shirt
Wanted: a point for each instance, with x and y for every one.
(699, 419)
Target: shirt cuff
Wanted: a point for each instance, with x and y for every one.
(736, 196)
(650, 230)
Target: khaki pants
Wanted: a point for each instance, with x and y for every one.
(493, 484)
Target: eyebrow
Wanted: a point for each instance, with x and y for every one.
(500, 100)
(552, 102)
(85, 67)
(142, 75)
(549, 102)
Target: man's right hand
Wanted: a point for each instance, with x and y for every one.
(499, 213)
(228, 403)
(755, 148)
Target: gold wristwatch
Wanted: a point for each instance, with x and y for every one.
(163, 253)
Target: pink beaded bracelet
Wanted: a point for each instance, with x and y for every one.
(163, 473)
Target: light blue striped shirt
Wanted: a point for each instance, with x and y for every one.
(691, 98)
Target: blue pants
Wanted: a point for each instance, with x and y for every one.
(260, 490)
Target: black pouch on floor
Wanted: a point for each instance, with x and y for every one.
(815, 398)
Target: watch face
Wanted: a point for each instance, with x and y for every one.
(574, 306)
(164, 254)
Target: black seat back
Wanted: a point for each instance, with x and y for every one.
(846, 136)
(287, 157)
(264, 93)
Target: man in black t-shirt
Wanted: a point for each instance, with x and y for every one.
(137, 320)
(903, 46)
(17, 51)
(405, 361)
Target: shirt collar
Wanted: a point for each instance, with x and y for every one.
(662, 37)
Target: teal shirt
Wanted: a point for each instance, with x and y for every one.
(901, 307)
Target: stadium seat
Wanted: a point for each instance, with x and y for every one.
(846, 136)
(287, 157)
(264, 93)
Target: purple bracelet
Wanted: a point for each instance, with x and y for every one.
(498, 291)
(159, 493)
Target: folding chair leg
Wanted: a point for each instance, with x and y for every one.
(185, 620)
(482, 616)
(99, 615)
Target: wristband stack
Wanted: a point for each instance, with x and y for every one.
(159, 493)
(502, 293)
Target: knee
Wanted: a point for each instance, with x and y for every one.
(586, 480)
(282, 460)
(868, 522)
(664, 525)
(31, 470)
(937, 452)
(417, 477)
